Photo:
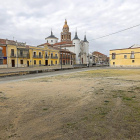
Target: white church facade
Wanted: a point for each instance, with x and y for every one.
(77, 46)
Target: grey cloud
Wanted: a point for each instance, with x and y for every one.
(31, 21)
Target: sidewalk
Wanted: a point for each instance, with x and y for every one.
(29, 70)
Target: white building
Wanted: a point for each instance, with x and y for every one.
(77, 46)
(51, 39)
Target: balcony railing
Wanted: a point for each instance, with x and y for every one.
(46, 56)
(66, 57)
(23, 56)
(13, 55)
(132, 57)
(37, 56)
(54, 57)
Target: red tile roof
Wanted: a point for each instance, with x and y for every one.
(96, 52)
(45, 44)
(3, 41)
(63, 43)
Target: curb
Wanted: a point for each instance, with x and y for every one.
(8, 74)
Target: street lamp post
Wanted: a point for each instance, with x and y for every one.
(60, 57)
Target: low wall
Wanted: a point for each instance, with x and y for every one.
(79, 65)
(3, 66)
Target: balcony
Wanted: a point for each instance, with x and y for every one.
(46, 56)
(37, 56)
(23, 56)
(54, 57)
(66, 57)
(13, 55)
(132, 57)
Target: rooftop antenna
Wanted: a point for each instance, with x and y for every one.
(13, 37)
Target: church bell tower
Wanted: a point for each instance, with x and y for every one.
(65, 34)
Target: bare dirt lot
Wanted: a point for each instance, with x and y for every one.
(91, 105)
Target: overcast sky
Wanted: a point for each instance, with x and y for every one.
(31, 21)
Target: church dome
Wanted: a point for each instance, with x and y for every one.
(65, 25)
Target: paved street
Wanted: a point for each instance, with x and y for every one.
(41, 75)
(48, 74)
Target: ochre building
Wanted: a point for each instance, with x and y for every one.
(127, 57)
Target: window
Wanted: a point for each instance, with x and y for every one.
(51, 55)
(113, 55)
(34, 54)
(90, 57)
(47, 41)
(125, 56)
(1, 61)
(55, 62)
(21, 61)
(62, 36)
(1, 54)
(34, 62)
(39, 62)
(55, 55)
(46, 55)
(51, 40)
(51, 62)
(132, 55)
(133, 61)
(12, 52)
(39, 54)
(113, 63)
(21, 52)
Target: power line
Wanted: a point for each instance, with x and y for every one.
(115, 32)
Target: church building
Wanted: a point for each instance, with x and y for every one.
(77, 46)
(51, 39)
(65, 35)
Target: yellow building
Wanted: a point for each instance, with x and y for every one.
(17, 54)
(43, 55)
(21, 55)
(128, 57)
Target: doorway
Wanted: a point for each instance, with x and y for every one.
(63, 62)
(82, 60)
(46, 62)
(13, 63)
(27, 63)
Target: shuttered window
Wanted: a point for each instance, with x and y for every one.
(1, 61)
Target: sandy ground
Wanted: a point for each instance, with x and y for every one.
(92, 105)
